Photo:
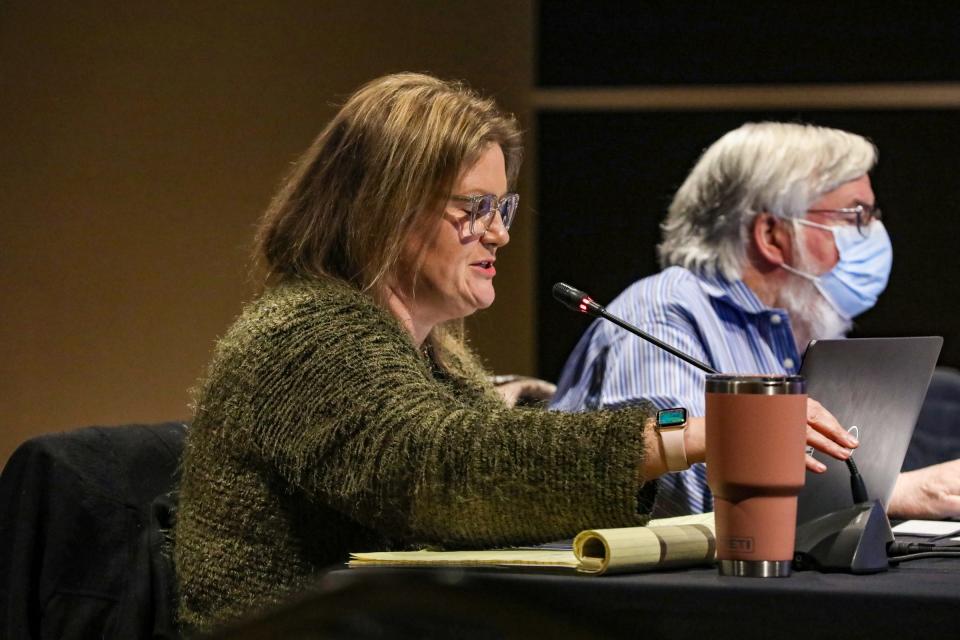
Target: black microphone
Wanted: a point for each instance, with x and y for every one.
(579, 301)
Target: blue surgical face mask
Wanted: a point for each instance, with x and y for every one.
(861, 274)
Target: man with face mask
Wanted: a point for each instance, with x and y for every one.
(773, 239)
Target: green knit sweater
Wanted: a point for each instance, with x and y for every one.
(321, 429)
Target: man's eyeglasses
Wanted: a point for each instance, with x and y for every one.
(861, 215)
(483, 210)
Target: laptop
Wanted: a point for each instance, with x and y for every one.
(874, 387)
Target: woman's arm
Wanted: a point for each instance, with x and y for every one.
(337, 400)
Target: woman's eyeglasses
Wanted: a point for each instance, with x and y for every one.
(483, 210)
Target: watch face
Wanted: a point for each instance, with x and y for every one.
(672, 417)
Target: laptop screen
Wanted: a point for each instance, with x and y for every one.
(875, 388)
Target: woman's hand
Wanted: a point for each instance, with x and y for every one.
(527, 389)
(825, 434)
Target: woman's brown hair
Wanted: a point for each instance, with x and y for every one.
(381, 168)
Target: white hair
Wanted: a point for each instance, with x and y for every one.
(775, 167)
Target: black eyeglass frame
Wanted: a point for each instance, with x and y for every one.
(510, 200)
(864, 215)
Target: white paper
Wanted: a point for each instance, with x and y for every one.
(927, 528)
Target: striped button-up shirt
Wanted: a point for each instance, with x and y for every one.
(716, 321)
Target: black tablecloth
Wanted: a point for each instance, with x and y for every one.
(916, 600)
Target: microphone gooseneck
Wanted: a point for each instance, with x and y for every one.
(577, 300)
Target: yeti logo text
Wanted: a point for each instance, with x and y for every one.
(742, 545)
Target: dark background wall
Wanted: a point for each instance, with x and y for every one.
(606, 43)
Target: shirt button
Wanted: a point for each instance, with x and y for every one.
(775, 319)
(788, 363)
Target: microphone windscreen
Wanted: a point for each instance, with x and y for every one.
(569, 296)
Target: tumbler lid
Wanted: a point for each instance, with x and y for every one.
(762, 385)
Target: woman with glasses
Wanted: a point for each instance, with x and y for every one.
(343, 412)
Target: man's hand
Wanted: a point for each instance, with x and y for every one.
(930, 493)
(825, 434)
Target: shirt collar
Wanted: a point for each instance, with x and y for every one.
(734, 292)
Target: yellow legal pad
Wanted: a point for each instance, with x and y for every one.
(665, 543)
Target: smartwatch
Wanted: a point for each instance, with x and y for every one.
(671, 423)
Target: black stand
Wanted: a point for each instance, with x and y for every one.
(851, 540)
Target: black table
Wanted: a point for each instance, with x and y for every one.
(920, 599)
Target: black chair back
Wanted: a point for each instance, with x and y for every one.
(936, 437)
(84, 517)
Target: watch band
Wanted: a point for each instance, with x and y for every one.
(673, 449)
(671, 423)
